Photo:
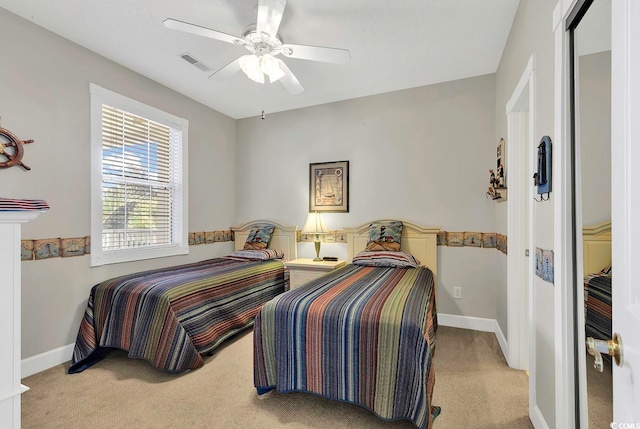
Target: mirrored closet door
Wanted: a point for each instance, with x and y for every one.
(592, 178)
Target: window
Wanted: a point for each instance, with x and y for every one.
(138, 180)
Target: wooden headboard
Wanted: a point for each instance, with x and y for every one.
(421, 242)
(283, 238)
(596, 247)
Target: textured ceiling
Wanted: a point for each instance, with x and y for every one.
(393, 45)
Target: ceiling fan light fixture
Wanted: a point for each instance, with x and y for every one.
(264, 43)
(271, 68)
(250, 65)
(255, 67)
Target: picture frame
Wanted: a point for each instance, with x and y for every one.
(329, 187)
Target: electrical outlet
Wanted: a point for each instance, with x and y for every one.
(457, 292)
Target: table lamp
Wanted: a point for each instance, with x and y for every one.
(315, 225)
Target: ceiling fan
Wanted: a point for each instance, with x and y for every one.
(265, 44)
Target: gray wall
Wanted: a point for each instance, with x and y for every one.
(44, 96)
(420, 155)
(532, 33)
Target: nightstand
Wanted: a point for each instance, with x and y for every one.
(304, 270)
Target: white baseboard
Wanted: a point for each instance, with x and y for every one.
(476, 324)
(502, 340)
(537, 419)
(35, 364)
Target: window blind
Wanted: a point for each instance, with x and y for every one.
(140, 181)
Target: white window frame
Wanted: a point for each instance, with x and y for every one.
(180, 245)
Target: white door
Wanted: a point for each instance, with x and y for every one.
(625, 183)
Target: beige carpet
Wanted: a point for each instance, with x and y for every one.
(474, 387)
(599, 395)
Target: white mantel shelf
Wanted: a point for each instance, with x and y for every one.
(19, 216)
(10, 330)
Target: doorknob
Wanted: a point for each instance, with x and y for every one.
(612, 347)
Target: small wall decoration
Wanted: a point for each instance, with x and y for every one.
(329, 187)
(542, 177)
(87, 245)
(47, 248)
(209, 237)
(539, 262)
(198, 237)
(218, 236)
(442, 238)
(11, 150)
(192, 238)
(544, 264)
(72, 247)
(497, 177)
(501, 181)
(547, 265)
(341, 236)
(228, 235)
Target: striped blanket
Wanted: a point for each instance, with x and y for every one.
(598, 306)
(365, 335)
(170, 316)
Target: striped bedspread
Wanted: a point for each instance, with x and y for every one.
(364, 335)
(598, 306)
(170, 316)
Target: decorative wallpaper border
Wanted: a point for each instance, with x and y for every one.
(208, 237)
(68, 247)
(338, 236)
(487, 240)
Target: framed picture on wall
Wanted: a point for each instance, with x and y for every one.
(501, 178)
(329, 187)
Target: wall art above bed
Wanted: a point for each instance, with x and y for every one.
(329, 187)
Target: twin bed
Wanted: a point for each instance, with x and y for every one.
(172, 316)
(363, 334)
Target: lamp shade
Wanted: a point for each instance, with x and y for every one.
(315, 224)
(255, 67)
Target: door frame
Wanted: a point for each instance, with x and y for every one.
(563, 224)
(520, 111)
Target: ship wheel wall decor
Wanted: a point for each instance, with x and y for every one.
(11, 150)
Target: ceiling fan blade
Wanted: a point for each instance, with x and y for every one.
(269, 16)
(316, 53)
(174, 24)
(230, 69)
(289, 81)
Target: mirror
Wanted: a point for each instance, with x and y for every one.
(592, 155)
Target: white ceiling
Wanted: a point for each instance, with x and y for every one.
(394, 44)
